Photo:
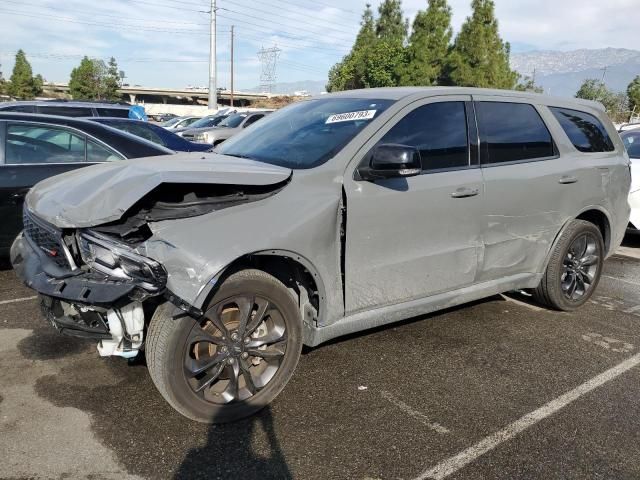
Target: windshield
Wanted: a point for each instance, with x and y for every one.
(232, 121)
(173, 121)
(305, 134)
(204, 122)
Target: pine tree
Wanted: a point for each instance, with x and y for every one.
(22, 84)
(87, 80)
(3, 83)
(429, 45)
(350, 72)
(390, 26)
(633, 92)
(112, 81)
(480, 58)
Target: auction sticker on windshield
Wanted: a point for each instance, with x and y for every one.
(349, 116)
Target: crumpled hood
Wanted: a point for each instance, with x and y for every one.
(103, 193)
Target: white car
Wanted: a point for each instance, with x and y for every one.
(180, 122)
(631, 139)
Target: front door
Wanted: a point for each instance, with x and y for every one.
(32, 153)
(408, 238)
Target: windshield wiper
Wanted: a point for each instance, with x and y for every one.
(237, 155)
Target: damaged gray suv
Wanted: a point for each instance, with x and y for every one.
(328, 217)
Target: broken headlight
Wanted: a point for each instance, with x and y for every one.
(120, 262)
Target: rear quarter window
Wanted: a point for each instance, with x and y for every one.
(585, 131)
(65, 111)
(113, 112)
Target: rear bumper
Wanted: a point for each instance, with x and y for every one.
(634, 218)
(41, 274)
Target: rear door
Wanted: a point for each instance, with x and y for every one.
(529, 187)
(408, 238)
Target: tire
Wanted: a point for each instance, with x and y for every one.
(179, 345)
(564, 265)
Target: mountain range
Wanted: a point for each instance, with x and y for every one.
(560, 73)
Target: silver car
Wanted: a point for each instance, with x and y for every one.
(331, 216)
(227, 128)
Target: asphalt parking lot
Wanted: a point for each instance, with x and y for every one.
(492, 390)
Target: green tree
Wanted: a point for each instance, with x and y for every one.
(87, 81)
(112, 81)
(350, 72)
(391, 26)
(480, 58)
(429, 45)
(377, 56)
(3, 83)
(528, 84)
(633, 92)
(597, 91)
(22, 83)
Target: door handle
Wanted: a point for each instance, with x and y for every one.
(18, 195)
(567, 180)
(465, 193)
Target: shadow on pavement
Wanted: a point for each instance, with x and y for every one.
(230, 453)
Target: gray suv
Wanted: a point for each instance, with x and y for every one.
(331, 216)
(227, 128)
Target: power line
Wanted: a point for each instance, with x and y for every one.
(21, 2)
(102, 24)
(293, 12)
(283, 24)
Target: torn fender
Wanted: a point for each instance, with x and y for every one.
(103, 193)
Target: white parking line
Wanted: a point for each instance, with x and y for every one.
(421, 417)
(455, 463)
(622, 280)
(23, 299)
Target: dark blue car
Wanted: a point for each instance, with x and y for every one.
(153, 133)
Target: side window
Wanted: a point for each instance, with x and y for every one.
(438, 130)
(511, 132)
(66, 111)
(251, 120)
(97, 153)
(27, 144)
(113, 112)
(584, 130)
(141, 131)
(632, 144)
(19, 108)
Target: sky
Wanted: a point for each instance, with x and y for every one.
(165, 43)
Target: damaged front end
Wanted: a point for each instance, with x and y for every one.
(90, 285)
(98, 282)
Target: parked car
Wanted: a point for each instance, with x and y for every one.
(631, 140)
(154, 133)
(628, 126)
(34, 147)
(163, 117)
(205, 122)
(224, 130)
(333, 215)
(67, 108)
(179, 122)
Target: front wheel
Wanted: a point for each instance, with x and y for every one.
(574, 269)
(236, 358)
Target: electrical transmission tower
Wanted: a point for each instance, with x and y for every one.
(268, 58)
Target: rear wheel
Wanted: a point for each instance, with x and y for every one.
(574, 268)
(235, 359)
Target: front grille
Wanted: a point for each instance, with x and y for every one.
(46, 238)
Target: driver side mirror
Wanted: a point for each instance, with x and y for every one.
(392, 161)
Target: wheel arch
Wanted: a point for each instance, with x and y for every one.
(292, 269)
(593, 214)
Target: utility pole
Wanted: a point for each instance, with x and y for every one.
(231, 66)
(213, 89)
